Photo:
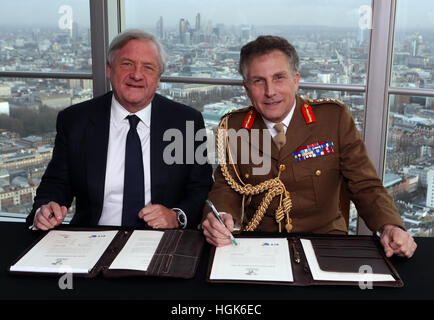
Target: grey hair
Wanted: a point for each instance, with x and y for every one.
(135, 34)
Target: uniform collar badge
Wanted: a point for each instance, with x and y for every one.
(249, 119)
(309, 117)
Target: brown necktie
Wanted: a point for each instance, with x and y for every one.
(280, 138)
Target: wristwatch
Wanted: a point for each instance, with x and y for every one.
(181, 217)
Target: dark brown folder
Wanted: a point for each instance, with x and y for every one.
(333, 253)
(177, 255)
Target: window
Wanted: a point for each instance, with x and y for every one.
(204, 41)
(409, 165)
(413, 55)
(45, 66)
(45, 36)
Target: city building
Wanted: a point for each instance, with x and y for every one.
(4, 107)
(388, 87)
(430, 188)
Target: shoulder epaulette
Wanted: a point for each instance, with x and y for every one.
(308, 114)
(249, 118)
(325, 101)
(246, 109)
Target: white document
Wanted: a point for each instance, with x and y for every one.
(138, 251)
(66, 252)
(258, 259)
(319, 274)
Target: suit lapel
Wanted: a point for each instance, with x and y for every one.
(264, 135)
(298, 131)
(97, 144)
(158, 125)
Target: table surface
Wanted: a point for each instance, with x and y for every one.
(417, 274)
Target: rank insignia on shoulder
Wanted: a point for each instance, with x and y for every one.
(309, 117)
(249, 119)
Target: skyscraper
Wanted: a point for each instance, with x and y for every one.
(75, 32)
(416, 45)
(245, 33)
(160, 30)
(197, 26)
(182, 30)
(430, 188)
(187, 38)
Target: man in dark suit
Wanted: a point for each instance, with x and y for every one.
(316, 146)
(110, 154)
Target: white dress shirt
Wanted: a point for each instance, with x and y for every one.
(114, 178)
(270, 125)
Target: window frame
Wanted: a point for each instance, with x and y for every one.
(107, 18)
(99, 44)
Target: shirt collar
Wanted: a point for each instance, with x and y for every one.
(286, 121)
(119, 113)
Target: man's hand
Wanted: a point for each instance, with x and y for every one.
(50, 215)
(214, 232)
(158, 216)
(397, 241)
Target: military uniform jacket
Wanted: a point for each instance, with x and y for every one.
(313, 183)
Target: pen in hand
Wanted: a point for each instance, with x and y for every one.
(217, 214)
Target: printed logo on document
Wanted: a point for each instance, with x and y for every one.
(251, 271)
(59, 261)
(269, 244)
(97, 236)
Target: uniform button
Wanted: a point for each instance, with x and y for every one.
(318, 172)
(282, 167)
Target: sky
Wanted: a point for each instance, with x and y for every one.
(258, 12)
(340, 13)
(145, 13)
(42, 12)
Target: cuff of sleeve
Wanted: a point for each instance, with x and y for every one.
(380, 231)
(33, 227)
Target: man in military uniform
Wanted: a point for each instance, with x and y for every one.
(316, 147)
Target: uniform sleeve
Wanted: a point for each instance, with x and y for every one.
(55, 183)
(224, 198)
(197, 184)
(366, 190)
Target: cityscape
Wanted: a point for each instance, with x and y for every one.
(201, 49)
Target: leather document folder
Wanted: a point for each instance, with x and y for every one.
(314, 260)
(175, 254)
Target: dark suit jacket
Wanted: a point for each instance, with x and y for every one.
(78, 166)
(314, 183)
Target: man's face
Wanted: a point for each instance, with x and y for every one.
(135, 74)
(271, 85)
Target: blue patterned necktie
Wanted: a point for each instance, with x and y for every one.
(134, 186)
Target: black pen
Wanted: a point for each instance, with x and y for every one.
(217, 214)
